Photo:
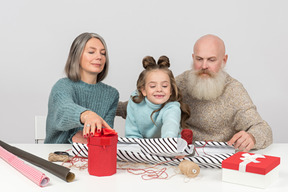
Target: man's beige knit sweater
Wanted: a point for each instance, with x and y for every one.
(220, 119)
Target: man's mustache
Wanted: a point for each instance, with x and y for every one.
(205, 71)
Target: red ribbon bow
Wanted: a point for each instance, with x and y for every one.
(106, 137)
(106, 132)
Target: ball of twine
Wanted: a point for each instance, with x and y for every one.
(60, 158)
(189, 168)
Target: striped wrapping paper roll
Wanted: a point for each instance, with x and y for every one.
(161, 150)
(168, 147)
(204, 161)
(161, 146)
(212, 148)
(80, 149)
(30, 172)
(211, 144)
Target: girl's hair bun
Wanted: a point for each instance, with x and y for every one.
(148, 62)
(163, 61)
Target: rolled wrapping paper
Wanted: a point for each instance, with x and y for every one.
(30, 172)
(58, 170)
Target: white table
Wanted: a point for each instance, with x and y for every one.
(207, 180)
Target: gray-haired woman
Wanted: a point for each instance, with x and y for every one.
(81, 103)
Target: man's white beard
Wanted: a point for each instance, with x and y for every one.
(206, 88)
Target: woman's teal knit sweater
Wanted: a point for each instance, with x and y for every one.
(69, 99)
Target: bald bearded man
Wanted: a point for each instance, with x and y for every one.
(221, 109)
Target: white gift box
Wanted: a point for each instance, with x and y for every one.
(251, 169)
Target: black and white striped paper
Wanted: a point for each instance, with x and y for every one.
(212, 147)
(80, 149)
(211, 143)
(161, 151)
(158, 146)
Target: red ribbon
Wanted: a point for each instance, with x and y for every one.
(104, 138)
(106, 132)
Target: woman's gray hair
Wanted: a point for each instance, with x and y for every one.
(72, 67)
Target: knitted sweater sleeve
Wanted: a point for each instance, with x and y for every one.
(131, 129)
(110, 116)
(248, 119)
(63, 113)
(171, 120)
(122, 109)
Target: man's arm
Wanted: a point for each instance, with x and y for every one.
(122, 109)
(253, 131)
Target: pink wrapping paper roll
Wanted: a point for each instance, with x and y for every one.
(30, 172)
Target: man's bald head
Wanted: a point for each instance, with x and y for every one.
(211, 41)
(209, 53)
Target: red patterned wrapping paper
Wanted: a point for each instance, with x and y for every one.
(30, 172)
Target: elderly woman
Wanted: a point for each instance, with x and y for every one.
(81, 103)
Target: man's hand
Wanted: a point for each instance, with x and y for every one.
(242, 141)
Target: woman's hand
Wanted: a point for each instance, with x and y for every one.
(92, 122)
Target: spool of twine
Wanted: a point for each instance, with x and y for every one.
(189, 168)
(60, 158)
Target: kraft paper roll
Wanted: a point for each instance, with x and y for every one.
(58, 170)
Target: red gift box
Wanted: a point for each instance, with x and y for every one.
(102, 157)
(250, 169)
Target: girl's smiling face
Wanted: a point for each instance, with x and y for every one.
(157, 87)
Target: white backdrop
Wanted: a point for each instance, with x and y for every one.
(35, 38)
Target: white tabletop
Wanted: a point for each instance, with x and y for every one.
(208, 179)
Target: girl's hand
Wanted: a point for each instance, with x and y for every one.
(92, 122)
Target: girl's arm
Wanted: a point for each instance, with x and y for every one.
(171, 120)
(131, 127)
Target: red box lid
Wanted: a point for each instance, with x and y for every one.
(262, 166)
(103, 140)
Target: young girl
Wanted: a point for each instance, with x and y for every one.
(155, 109)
